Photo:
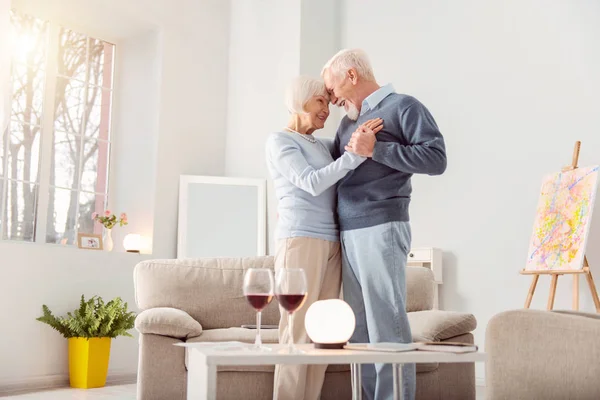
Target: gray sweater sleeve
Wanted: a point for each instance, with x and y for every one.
(425, 152)
(287, 158)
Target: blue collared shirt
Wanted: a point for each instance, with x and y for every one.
(376, 97)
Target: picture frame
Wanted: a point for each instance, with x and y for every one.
(221, 217)
(89, 241)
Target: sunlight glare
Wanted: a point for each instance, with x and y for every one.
(24, 45)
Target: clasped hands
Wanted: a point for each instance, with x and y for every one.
(363, 140)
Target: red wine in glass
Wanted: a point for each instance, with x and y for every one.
(259, 301)
(291, 290)
(258, 289)
(291, 302)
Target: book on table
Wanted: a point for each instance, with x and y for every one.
(447, 347)
(383, 346)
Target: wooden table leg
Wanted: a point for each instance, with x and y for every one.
(552, 292)
(531, 290)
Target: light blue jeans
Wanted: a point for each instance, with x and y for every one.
(374, 282)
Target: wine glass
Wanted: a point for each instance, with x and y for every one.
(258, 289)
(290, 290)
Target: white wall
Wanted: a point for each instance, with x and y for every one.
(109, 20)
(135, 127)
(512, 85)
(270, 43)
(264, 54)
(192, 114)
(320, 39)
(32, 275)
(182, 112)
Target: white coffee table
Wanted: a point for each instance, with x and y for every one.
(203, 360)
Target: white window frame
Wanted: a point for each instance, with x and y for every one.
(47, 133)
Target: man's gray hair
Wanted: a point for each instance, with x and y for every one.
(300, 90)
(346, 59)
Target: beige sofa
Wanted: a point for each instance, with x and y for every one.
(200, 300)
(549, 355)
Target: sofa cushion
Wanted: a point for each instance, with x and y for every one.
(208, 289)
(167, 321)
(267, 336)
(202, 286)
(435, 325)
(236, 335)
(419, 289)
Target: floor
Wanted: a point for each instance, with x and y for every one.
(117, 392)
(120, 392)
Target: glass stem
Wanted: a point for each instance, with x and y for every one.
(258, 342)
(291, 331)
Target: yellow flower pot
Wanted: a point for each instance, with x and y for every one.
(88, 362)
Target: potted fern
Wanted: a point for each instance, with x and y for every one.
(89, 330)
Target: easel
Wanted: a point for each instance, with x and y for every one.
(556, 273)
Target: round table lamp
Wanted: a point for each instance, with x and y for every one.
(330, 323)
(132, 243)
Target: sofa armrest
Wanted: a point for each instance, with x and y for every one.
(166, 321)
(535, 354)
(436, 325)
(578, 313)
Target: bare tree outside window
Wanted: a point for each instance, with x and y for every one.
(79, 69)
(19, 156)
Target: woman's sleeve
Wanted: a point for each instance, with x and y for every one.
(286, 156)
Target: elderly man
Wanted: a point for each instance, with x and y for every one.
(373, 203)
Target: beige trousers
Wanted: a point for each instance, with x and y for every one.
(322, 263)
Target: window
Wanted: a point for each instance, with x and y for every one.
(54, 153)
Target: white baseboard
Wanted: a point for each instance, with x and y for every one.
(33, 383)
(36, 383)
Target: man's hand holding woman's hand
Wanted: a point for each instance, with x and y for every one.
(363, 140)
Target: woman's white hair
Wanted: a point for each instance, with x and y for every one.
(300, 90)
(346, 59)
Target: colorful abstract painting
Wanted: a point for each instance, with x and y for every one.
(562, 220)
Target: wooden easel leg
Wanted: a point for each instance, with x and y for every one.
(531, 290)
(576, 292)
(588, 274)
(552, 292)
(593, 290)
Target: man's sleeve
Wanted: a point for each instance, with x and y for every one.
(425, 152)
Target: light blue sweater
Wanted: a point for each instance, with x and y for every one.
(305, 176)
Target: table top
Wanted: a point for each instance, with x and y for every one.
(242, 354)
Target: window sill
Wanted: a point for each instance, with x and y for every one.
(72, 247)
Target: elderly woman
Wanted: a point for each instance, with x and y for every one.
(304, 175)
